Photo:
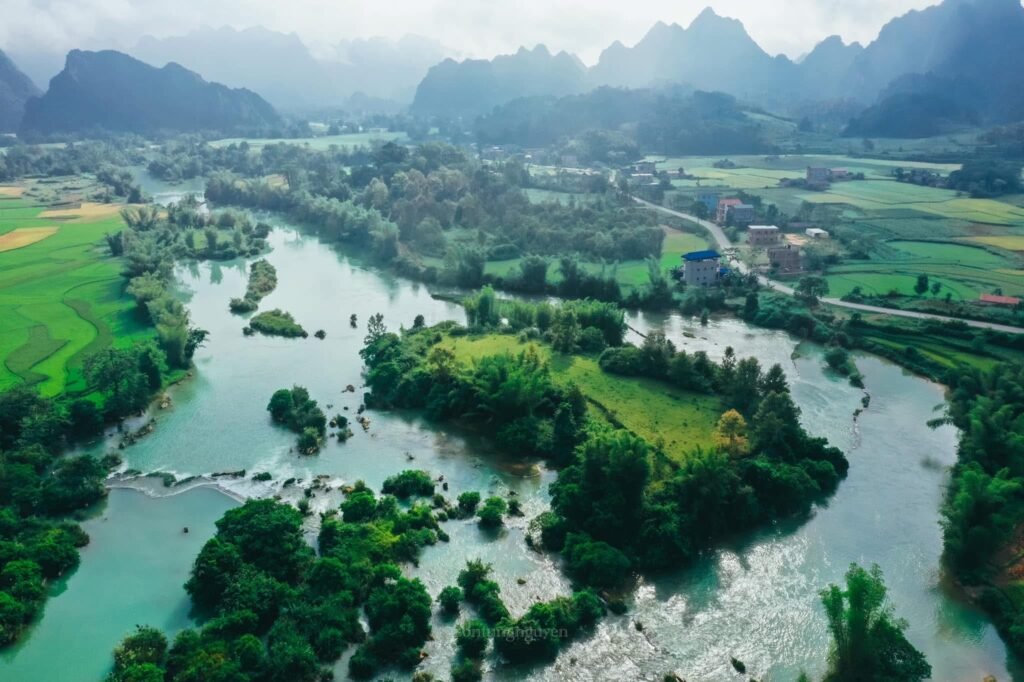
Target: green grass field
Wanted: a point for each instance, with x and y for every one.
(320, 143)
(651, 409)
(60, 299)
(965, 271)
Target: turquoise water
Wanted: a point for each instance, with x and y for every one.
(131, 573)
(755, 599)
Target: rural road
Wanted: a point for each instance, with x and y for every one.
(725, 245)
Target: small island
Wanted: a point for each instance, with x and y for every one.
(276, 322)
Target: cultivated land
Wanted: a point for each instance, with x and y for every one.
(660, 413)
(969, 246)
(60, 294)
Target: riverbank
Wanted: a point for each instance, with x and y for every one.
(755, 598)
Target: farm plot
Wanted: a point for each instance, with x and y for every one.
(60, 297)
(880, 195)
(961, 270)
(23, 236)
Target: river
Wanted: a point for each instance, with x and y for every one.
(755, 599)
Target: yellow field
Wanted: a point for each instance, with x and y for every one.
(11, 191)
(1008, 242)
(23, 236)
(87, 212)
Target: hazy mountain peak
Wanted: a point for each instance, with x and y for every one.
(15, 89)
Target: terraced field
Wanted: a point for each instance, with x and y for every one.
(651, 409)
(61, 296)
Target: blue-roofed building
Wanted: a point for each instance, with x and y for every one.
(700, 268)
(709, 199)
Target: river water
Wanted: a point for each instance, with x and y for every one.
(755, 599)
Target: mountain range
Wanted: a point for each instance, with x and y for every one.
(112, 91)
(963, 56)
(281, 67)
(15, 90)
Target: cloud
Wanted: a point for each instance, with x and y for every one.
(475, 28)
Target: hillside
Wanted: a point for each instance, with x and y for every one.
(476, 86)
(15, 90)
(961, 55)
(281, 68)
(671, 120)
(111, 91)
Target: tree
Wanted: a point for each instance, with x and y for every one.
(868, 641)
(921, 286)
(731, 434)
(812, 288)
(471, 638)
(449, 599)
(936, 288)
(491, 513)
(375, 329)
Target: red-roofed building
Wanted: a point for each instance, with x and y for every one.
(993, 299)
(723, 209)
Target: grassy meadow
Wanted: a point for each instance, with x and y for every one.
(60, 293)
(656, 411)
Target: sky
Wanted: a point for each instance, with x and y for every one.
(477, 28)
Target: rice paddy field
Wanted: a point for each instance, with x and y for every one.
(60, 293)
(658, 412)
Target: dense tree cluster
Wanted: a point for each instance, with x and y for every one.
(37, 487)
(262, 281)
(440, 202)
(280, 611)
(300, 413)
(984, 505)
(868, 641)
(612, 513)
(513, 395)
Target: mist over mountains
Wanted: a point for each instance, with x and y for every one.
(943, 68)
(281, 68)
(109, 90)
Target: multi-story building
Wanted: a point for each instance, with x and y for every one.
(740, 214)
(763, 235)
(785, 259)
(709, 199)
(722, 211)
(701, 268)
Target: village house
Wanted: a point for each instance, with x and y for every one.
(763, 235)
(722, 211)
(701, 268)
(644, 167)
(995, 299)
(709, 199)
(785, 259)
(740, 214)
(818, 175)
(816, 233)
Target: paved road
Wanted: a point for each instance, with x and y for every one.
(725, 245)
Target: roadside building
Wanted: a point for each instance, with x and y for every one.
(722, 212)
(701, 268)
(709, 199)
(785, 259)
(763, 235)
(816, 233)
(644, 167)
(741, 214)
(995, 299)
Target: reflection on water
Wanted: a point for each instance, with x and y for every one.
(755, 599)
